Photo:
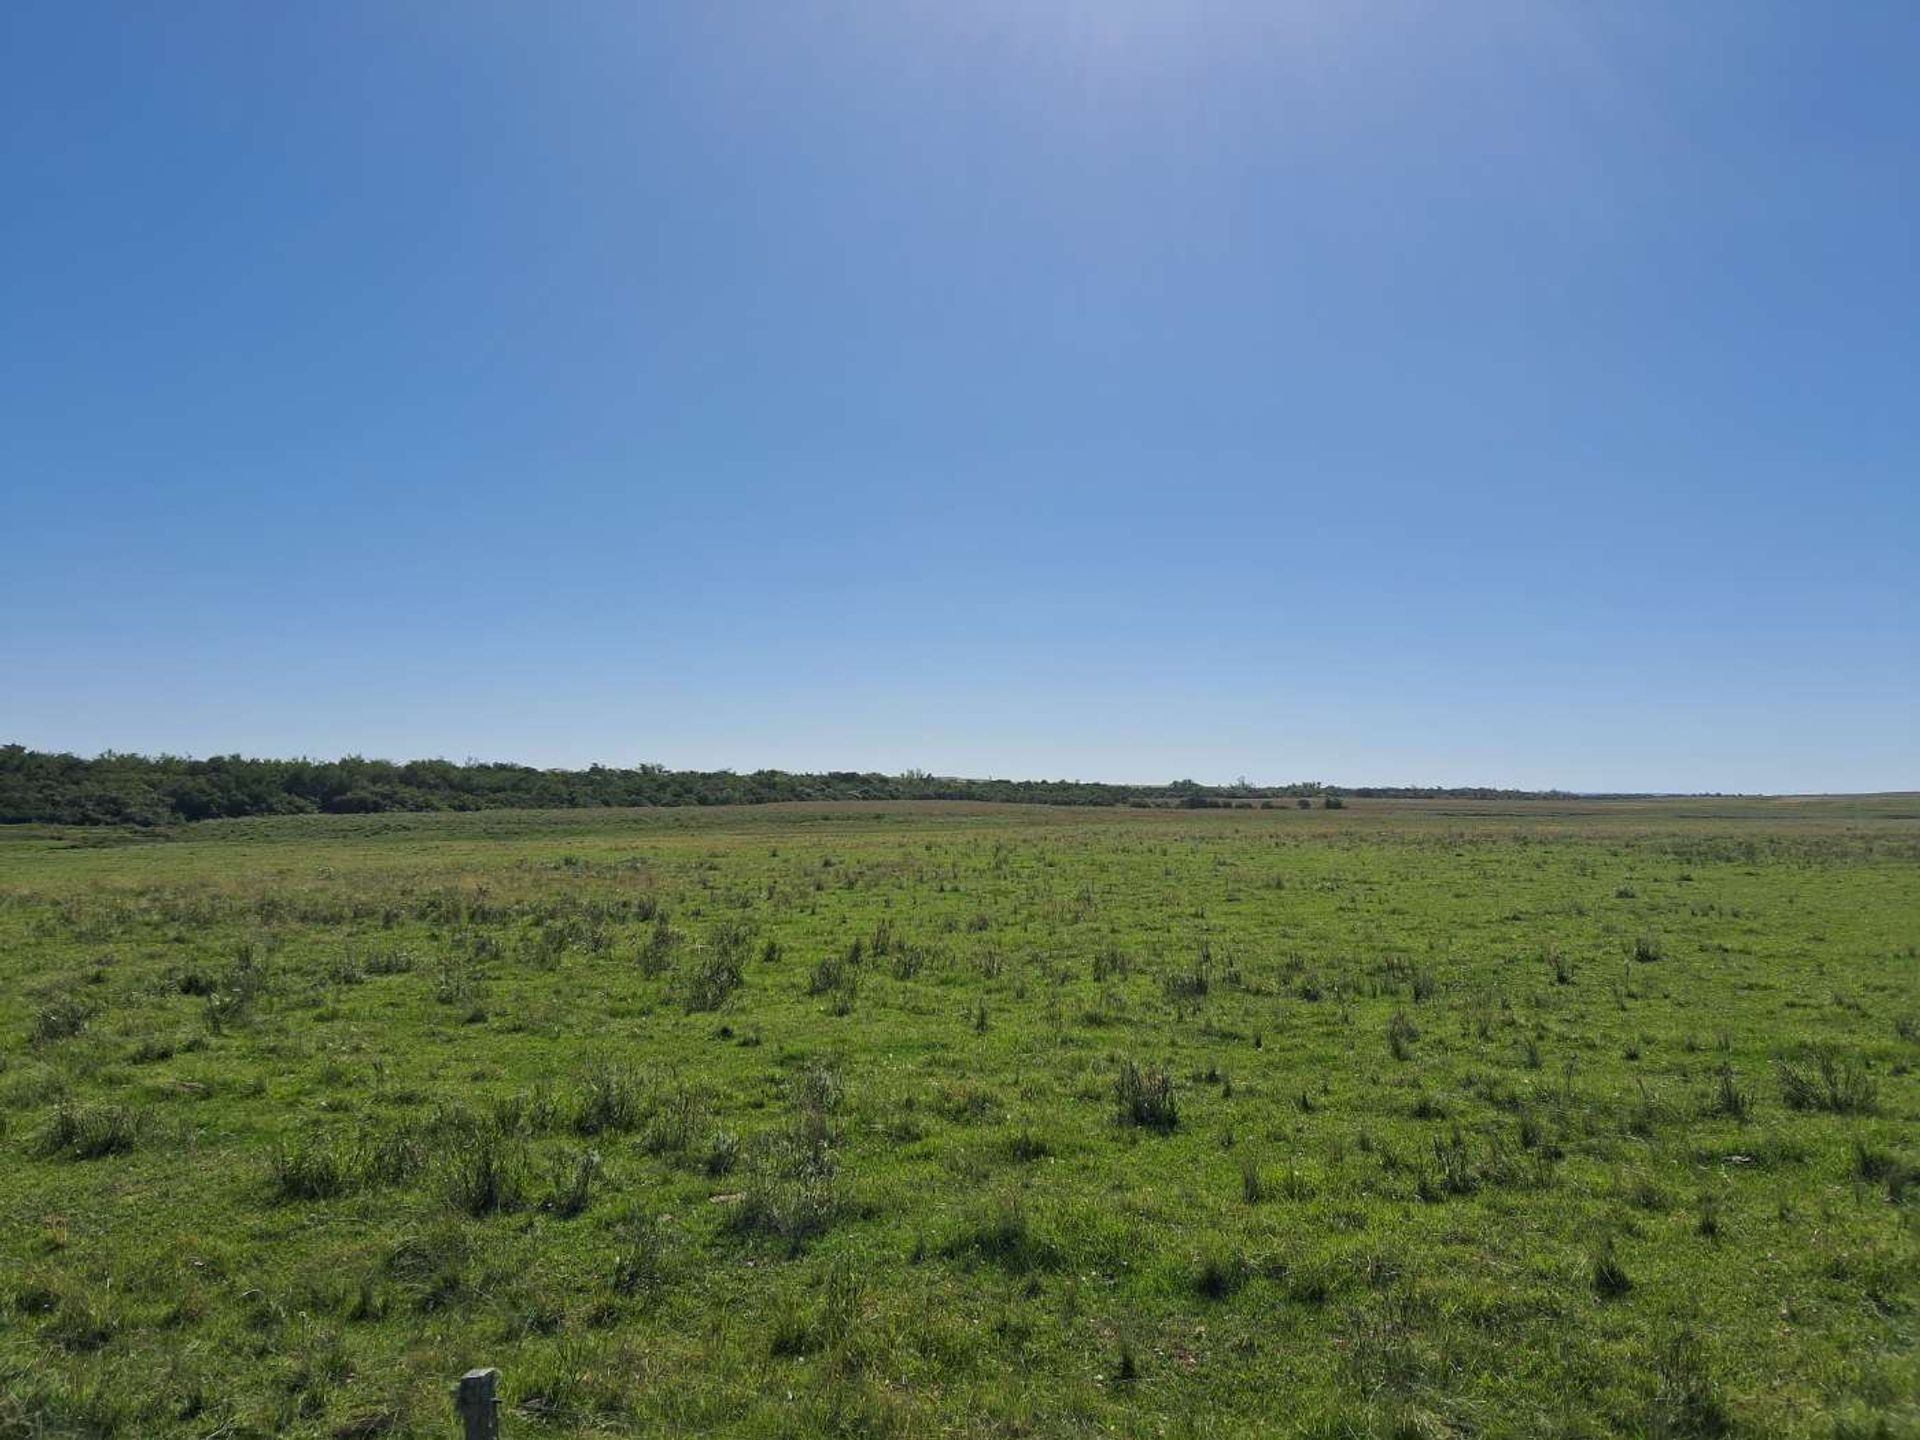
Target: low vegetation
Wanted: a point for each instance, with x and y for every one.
(915, 1119)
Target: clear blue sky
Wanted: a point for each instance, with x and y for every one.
(1448, 393)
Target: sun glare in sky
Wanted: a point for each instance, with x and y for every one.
(1486, 393)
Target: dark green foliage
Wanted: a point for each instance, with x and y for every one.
(1709, 1223)
(830, 974)
(1253, 1185)
(1875, 1166)
(54, 789)
(838, 978)
(791, 1192)
(1194, 983)
(1027, 1145)
(723, 1154)
(232, 997)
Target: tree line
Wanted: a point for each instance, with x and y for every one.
(48, 788)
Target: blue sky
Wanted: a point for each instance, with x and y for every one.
(1518, 394)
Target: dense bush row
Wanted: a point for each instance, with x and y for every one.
(57, 789)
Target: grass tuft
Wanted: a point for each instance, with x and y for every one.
(1824, 1079)
(1145, 1098)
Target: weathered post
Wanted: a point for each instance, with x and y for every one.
(478, 1402)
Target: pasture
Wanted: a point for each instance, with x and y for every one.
(1409, 1120)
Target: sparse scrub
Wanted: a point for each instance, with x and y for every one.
(712, 980)
(1875, 1166)
(1609, 1276)
(1730, 1098)
(662, 945)
(1220, 1274)
(792, 1193)
(310, 1169)
(609, 1102)
(1145, 1097)
(486, 1171)
(1686, 1402)
(1824, 1079)
(89, 1132)
(1253, 1185)
(643, 1264)
(1401, 1033)
(1027, 1145)
(570, 1187)
(61, 1019)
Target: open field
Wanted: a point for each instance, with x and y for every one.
(1411, 1119)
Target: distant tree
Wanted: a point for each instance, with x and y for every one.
(42, 787)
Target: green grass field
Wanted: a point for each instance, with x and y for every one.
(1403, 1120)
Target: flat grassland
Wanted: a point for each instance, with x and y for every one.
(1422, 1120)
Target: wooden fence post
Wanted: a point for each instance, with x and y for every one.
(478, 1402)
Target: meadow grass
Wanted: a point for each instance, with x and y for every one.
(1412, 1120)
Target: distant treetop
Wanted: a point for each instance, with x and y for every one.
(42, 787)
